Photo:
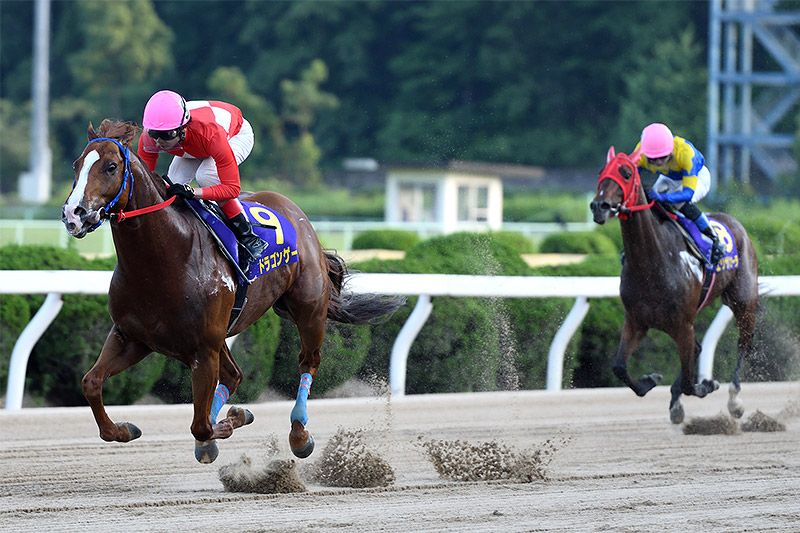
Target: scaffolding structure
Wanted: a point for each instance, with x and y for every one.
(747, 108)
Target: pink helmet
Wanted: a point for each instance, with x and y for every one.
(657, 141)
(166, 110)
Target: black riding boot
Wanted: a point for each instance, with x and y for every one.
(253, 245)
(717, 250)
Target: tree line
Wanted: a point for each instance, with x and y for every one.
(541, 83)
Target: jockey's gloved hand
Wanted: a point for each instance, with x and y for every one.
(180, 189)
(653, 195)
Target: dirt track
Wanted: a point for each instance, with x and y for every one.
(619, 466)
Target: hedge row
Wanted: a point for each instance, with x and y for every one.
(467, 344)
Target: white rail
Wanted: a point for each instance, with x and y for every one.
(54, 283)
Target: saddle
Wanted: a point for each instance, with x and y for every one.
(271, 226)
(700, 246)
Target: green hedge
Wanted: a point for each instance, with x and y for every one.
(585, 242)
(385, 240)
(469, 344)
(70, 346)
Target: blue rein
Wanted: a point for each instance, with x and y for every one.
(128, 177)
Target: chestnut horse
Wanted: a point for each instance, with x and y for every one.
(172, 290)
(661, 283)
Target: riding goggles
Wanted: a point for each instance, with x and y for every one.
(165, 135)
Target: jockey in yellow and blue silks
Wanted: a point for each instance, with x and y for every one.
(683, 178)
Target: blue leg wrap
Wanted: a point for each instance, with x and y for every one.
(300, 412)
(220, 397)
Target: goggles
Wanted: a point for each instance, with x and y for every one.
(165, 135)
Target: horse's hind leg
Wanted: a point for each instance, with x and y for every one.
(118, 353)
(312, 333)
(745, 323)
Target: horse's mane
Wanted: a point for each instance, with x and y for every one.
(117, 129)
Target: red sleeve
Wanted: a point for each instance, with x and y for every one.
(227, 170)
(149, 157)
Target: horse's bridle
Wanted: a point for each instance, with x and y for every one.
(128, 178)
(104, 211)
(630, 187)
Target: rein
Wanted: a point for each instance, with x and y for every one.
(630, 187)
(122, 215)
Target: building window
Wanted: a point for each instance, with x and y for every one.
(416, 203)
(473, 203)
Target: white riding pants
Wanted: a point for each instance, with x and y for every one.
(665, 184)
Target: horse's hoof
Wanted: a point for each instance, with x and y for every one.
(736, 411)
(306, 450)
(133, 431)
(711, 384)
(244, 415)
(656, 378)
(676, 414)
(206, 452)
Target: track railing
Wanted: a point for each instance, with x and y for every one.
(54, 283)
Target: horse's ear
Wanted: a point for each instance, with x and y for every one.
(90, 133)
(610, 155)
(636, 156)
(127, 135)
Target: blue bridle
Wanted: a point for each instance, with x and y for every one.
(128, 178)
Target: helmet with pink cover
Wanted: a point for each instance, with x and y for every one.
(657, 141)
(166, 110)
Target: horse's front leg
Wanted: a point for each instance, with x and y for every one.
(632, 335)
(205, 427)
(689, 350)
(118, 353)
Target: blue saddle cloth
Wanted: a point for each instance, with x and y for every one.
(281, 236)
(731, 259)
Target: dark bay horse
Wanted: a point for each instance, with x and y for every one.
(172, 290)
(661, 284)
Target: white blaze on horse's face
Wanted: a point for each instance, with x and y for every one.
(76, 197)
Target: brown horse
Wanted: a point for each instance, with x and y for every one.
(661, 284)
(172, 290)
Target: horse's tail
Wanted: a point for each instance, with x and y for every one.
(351, 308)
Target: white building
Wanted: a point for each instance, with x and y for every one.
(448, 200)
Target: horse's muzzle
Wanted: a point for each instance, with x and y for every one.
(78, 220)
(601, 210)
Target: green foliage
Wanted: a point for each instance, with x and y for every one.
(14, 143)
(73, 341)
(468, 253)
(520, 205)
(515, 241)
(589, 242)
(385, 240)
(773, 235)
(135, 42)
(344, 351)
(663, 86)
(469, 343)
(611, 230)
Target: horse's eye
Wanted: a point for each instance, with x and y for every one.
(75, 165)
(111, 168)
